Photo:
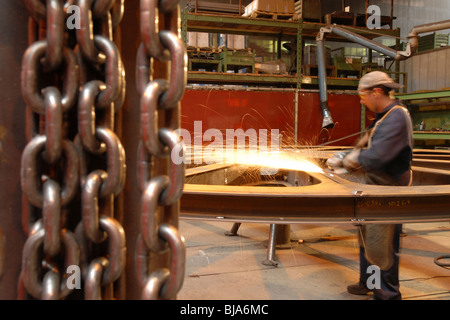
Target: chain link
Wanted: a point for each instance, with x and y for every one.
(63, 156)
(31, 265)
(100, 98)
(160, 111)
(67, 72)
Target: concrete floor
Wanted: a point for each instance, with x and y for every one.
(220, 267)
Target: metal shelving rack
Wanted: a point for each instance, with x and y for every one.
(297, 29)
(430, 98)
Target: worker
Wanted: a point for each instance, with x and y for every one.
(384, 154)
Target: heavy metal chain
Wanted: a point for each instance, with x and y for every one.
(161, 179)
(73, 84)
(102, 155)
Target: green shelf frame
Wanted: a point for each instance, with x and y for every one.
(249, 78)
(424, 95)
(431, 135)
(427, 95)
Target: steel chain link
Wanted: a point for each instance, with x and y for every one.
(61, 69)
(99, 100)
(57, 164)
(49, 179)
(160, 111)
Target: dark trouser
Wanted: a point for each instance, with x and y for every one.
(389, 282)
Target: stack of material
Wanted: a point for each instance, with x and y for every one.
(309, 10)
(198, 39)
(271, 67)
(260, 6)
(433, 41)
(205, 6)
(271, 9)
(204, 53)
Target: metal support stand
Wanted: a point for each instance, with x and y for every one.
(279, 237)
(234, 230)
(270, 261)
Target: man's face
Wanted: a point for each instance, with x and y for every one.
(367, 99)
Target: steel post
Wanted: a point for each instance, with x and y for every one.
(14, 26)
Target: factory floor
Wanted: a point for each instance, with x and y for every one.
(317, 263)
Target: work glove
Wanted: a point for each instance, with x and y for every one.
(335, 163)
(350, 161)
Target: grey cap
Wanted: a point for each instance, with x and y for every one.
(376, 78)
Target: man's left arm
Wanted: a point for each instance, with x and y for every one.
(389, 138)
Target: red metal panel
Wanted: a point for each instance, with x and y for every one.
(232, 109)
(346, 113)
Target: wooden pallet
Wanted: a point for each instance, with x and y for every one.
(273, 15)
(215, 8)
(203, 49)
(202, 52)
